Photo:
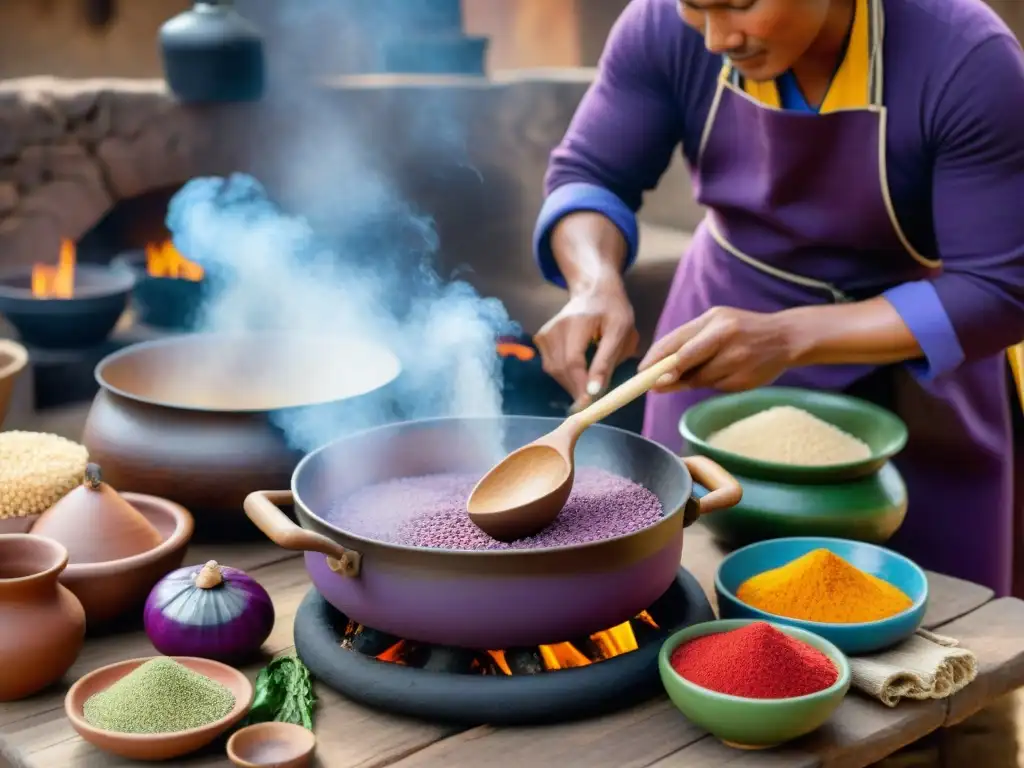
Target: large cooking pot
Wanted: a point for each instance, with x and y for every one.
(188, 417)
(486, 599)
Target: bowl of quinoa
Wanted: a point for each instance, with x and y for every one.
(157, 708)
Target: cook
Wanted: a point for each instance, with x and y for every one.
(862, 167)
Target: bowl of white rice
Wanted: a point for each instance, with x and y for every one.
(785, 434)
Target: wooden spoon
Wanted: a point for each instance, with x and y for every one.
(524, 493)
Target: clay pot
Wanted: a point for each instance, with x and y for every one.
(189, 418)
(13, 359)
(42, 625)
(109, 590)
(96, 525)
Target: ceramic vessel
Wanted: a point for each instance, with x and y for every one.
(96, 525)
(13, 359)
(271, 745)
(862, 637)
(192, 418)
(156, 746)
(863, 500)
(109, 590)
(42, 625)
(752, 723)
(211, 53)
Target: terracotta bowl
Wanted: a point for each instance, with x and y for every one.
(271, 745)
(111, 589)
(156, 746)
(13, 359)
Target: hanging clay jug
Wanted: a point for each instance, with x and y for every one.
(96, 525)
(42, 625)
(211, 53)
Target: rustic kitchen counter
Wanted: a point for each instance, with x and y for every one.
(35, 734)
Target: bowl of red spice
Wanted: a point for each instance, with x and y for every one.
(859, 596)
(753, 684)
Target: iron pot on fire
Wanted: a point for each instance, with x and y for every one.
(191, 418)
(496, 598)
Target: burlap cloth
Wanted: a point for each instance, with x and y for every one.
(927, 666)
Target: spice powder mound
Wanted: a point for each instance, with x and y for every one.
(756, 662)
(821, 586)
(160, 696)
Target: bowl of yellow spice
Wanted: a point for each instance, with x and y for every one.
(859, 596)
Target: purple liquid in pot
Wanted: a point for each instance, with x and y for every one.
(430, 511)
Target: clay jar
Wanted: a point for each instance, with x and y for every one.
(96, 525)
(42, 625)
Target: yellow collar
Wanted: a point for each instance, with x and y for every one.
(852, 86)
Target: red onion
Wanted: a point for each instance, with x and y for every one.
(209, 611)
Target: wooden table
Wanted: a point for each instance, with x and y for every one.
(35, 734)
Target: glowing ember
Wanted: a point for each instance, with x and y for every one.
(594, 649)
(164, 260)
(518, 351)
(56, 282)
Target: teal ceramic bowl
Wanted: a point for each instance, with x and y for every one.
(883, 431)
(852, 639)
(752, 723)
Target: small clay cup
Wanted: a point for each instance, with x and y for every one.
(156, 746)
(111, 589)
(272, 745)
(42, 624)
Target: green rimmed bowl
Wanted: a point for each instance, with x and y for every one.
(883, 431)
(752, 723)
(863, 501)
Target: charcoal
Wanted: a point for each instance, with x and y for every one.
(371, 642)
(524, 661)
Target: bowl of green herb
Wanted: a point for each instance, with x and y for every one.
(157, 708)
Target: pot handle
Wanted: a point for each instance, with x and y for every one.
(262, 508)
(724, 490)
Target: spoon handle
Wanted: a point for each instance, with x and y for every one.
(624, 394)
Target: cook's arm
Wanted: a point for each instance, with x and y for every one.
(975, 307)
(617, 147)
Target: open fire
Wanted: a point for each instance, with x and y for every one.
(598, 647)
(56, 282)
(164, 260)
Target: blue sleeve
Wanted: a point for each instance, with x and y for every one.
(580, 196)
(920, 307)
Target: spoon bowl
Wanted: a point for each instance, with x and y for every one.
(525, 491)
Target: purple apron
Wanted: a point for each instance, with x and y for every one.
(799, 214)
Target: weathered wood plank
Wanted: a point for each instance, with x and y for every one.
(634, 738)
(996, 634)
(246, 556)
(860, 733)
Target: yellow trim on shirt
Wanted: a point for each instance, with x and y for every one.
(850, 87)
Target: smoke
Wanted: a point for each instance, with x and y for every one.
(270, 272)
(366, 269)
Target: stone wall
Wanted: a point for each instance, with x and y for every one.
(470, 153)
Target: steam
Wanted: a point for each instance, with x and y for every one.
(269, 271)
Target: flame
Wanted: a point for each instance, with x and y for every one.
(518, 351)
(56, 282)
(164, 260)
(600, 646)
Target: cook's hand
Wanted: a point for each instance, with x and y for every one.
(726, 349)
(602, 313)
